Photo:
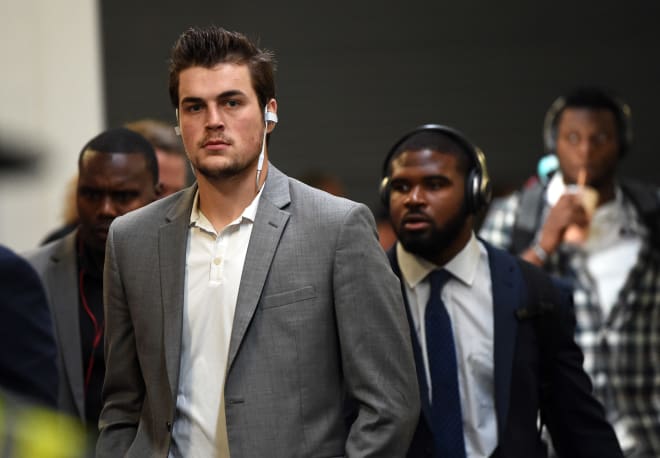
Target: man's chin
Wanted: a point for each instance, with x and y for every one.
(96, 242)
(416, 242)
(217, 171)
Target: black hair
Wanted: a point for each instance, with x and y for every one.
(125, 141)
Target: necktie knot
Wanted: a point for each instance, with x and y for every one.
(438, 278)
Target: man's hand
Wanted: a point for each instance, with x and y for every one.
(569, 210)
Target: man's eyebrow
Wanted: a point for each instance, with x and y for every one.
(191, 99)
(231, 93)
(222, 95)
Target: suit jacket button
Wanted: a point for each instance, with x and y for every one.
(169, 426)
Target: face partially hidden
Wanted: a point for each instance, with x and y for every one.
(171, 172)
(427, 206)
(110, 185)
(588, 139)
(221, 121)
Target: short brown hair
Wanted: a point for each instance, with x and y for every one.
(209, 46)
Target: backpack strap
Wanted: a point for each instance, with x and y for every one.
(646, 199)
(528, 218)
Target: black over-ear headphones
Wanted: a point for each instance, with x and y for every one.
(622, 114)
(477, 183)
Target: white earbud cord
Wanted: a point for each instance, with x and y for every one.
(260, 163)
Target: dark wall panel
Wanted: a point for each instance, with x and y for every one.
(353, 77)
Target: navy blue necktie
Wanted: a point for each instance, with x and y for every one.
(446, 418)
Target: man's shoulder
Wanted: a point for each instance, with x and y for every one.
(13, 264)
(152, 215)
(496, 254)
(306, 198)
(645, 196)
(60, 249)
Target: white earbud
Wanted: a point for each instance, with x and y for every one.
(270, 116)
(177, 129)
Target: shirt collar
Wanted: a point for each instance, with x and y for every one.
(197, 218)
(463, 266)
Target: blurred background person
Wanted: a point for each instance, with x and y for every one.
(601, 232)
(69, 213)
(118, 172)
(174, 170)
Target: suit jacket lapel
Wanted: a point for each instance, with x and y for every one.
(172, 244)
(63, 286)
(505, 277)
(269, 224)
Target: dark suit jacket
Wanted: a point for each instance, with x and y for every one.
(574, 418)
(27, 344)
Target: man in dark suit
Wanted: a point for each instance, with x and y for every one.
(27, 345)
(492, 337)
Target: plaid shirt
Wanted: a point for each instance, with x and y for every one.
(622, 350)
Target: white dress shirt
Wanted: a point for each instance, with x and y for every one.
(214, 265)
(469, 302)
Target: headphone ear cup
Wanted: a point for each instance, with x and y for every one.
(384, 192)
(471, 191)
(478, 191)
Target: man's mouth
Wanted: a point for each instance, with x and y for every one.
(216, 144)
(416, 222)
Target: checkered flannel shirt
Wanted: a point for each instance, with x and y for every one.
(622, 350)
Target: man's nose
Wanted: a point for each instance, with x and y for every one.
(214, 118)
(108, 206)
(416, 196)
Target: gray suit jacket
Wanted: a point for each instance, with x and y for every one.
(319, 326)
(56, 264)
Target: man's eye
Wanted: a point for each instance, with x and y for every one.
(573, 138)
(124, 196)
(601, 138)
(194, 108)
(399, 186)
(232, 103)
(90, 194)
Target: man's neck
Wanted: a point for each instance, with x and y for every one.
(222, 201)
(450, 252)
(91, 260)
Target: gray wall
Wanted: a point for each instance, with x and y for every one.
(353, 77)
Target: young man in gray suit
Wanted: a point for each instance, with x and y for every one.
(249, 315)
